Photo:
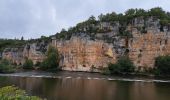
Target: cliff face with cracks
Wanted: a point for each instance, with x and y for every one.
(81, 53)
(145, 41)
(145, 48)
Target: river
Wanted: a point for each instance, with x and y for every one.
(87, 86)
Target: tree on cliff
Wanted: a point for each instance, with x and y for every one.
(91, 20)
(157, 11)
(91, 24)
(130, 12)
(52, 60)
(109, 17)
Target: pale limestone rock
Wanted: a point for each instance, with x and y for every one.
(81, 54)
(146, 47)
(14, 55)
(31, 51)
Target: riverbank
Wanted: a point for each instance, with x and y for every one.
(86, 75)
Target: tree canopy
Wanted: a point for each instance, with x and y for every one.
(52, 60)
(162, 64)
(89, 25)
(122, 18)
(123, 66)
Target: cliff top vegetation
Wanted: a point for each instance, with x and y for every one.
(123, 19)
(89, 26)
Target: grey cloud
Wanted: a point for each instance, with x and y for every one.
(33, 18)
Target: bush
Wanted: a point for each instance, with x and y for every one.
(6, 67)
(38, 64)
(44, 65)
(114, 68)
(28, 64)
(162, 65)
(105, 71)
(13, 93)
(52, 60)
(123, 66)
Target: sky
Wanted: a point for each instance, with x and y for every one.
(34, 18)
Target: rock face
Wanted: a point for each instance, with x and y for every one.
(142, 40)
(147, 42)
(14, 55)
(145, 48)
(34, 52)
(83, 54)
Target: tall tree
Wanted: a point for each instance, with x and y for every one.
(22, 38)
(52, 60)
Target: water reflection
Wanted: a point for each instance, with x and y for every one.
(85, 89)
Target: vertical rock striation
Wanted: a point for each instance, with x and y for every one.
(83, 54)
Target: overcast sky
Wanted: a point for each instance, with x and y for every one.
(34, 18)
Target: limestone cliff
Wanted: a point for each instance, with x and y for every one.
(141, 39)
(33, 51)
(83, 54)
(147, 41)
(15, 55)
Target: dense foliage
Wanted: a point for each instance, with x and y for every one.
(4, 43)
(12, 43)
(52, 60)
(133, 13)
(162, 64)
(123, 66)
(6, 66)
(123, 18)
(14, 93)
(88, 26)
(28, 64)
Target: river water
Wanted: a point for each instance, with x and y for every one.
(87, 86)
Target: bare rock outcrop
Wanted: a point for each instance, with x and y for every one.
(142, 40)
(83, 54)
(147, 41)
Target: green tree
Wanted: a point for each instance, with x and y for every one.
(109, 17)
(92, 19)
(114, 68)
(123, 66)
(28, 64)
(158, 11)
(63, 34)
(44, 38)
(63, 30)
(52, 60)
(22, 38)
(164, 22)
(130, 12)
(6, 66)
(162, 65)
(5, 43)
(100, 17)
